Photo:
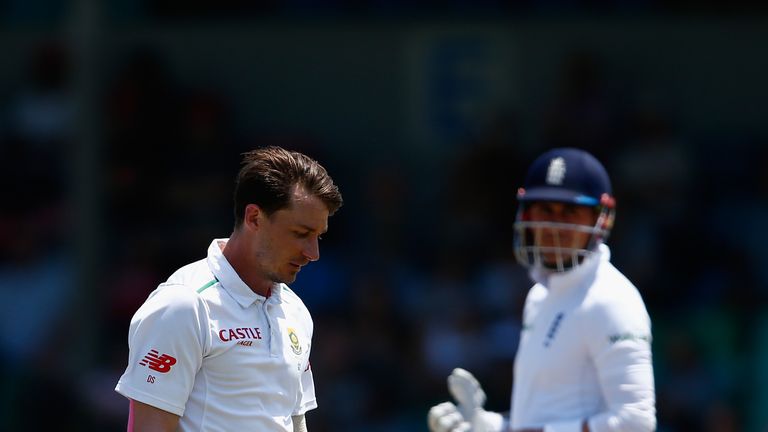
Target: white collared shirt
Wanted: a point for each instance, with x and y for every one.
(584, 353)
(204, 346)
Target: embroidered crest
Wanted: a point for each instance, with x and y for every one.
(556, 171)
(295, 346)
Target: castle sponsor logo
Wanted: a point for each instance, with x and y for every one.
(240, 334)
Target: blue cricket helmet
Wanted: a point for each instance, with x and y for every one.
(567, 175)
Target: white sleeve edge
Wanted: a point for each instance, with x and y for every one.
(132, 393)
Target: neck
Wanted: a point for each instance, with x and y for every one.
(241, 259)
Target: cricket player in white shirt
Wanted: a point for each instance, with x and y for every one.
(584, 359)
(224, 344)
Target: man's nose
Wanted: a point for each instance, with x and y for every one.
(312, 250)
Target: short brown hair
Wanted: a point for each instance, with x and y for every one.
(268, 175)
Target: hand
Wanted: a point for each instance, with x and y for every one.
(469, 415)
(446, 417)
(466, 390)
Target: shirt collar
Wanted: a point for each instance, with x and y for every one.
(230, 280)
(557, 281)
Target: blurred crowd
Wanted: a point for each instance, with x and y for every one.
(415, 277)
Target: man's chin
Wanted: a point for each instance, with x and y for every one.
(548, 260)
(288, 278)
(565, 263)
(284, 278)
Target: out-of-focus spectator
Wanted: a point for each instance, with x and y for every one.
(588, 112)
(37, 270)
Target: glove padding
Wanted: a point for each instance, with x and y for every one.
(445, 417)
(469, 415)
(467, 392)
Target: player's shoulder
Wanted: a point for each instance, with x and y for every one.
(537, 293)
(171, 307)
(613, 297)
(612, 286)
(182, 289)
(293, 301)
(193, 275)
(291, 298)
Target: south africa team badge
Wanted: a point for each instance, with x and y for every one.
(295, 347)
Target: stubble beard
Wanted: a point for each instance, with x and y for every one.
(277, 278)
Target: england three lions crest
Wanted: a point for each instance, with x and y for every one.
(295, 346)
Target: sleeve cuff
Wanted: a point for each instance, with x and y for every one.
(305, 407)
(142, 397)
(490, 421)
(564, 426)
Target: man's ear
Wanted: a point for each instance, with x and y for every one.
(252, 217)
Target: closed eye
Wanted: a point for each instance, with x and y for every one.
(303, 231)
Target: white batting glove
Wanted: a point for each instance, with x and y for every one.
(445, 417)
(467, 392)
(469, 415)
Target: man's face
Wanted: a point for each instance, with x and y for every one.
(560, 237)
(288, 238)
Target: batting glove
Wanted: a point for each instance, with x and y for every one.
(445, 417)
(468, 415)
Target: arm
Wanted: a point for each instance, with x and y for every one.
(626, 378)
(299, 423)
(621, 353)
(146, 418)
(167, 341)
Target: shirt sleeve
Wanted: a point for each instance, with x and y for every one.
(619, 342)
(166, 344)
(307, 400)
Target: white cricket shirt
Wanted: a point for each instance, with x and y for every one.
(585, 353)
(207, 348)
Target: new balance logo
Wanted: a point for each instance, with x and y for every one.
(160, 363)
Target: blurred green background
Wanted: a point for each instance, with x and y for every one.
(121, 125)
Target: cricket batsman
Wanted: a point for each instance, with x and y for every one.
(584, 359)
